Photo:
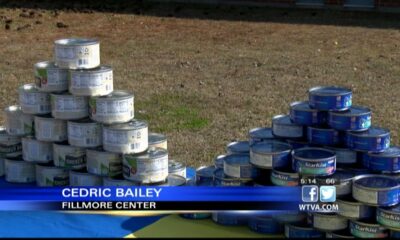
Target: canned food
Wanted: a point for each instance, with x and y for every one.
(298, 144)
(345, 233)
(50, 78)
(344, 156)
(69, 107)
(301, 113)
(85, 133)
(219, 161)
(81, 178)
(367, 229)
(32, 101)
(386, 161)
(342, 181)
(195, 215)
(330, 98)
(230, 218)
(238, 166)
(376, 190)
(314, 161)
(17, 170)
(389, 217)
(301, 231)
(322, 136)
(172, 180)
(93, 82)
(148, 167)
(284, 128)
(69, 157)
(239, 147)
(329, 222)
(34, 150)
(117, 181)
(50, 129)
(158, 140)
(205, 175)
(176, 168)
(220, 179)
(355, 119)
(375, 139)
(265, 224)
(285, 178)
(116, 107)
(50, 176)
(131, 137)
(270, 154)
(102, 163)
(290, 217)
(9, 143)
(77, 53)
(18, 123)
(259, 135)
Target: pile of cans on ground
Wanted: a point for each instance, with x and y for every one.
(323, 141)
(72, 128)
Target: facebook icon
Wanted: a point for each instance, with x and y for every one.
(309, 193)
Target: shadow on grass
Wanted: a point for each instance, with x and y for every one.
(217, 12)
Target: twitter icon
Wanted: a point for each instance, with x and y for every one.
(327, 193)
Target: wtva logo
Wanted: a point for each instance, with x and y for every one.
(326, 193)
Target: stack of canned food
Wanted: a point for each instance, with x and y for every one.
(325, 140)
(72, 128)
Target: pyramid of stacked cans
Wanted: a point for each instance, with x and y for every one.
(323, 141)
(72, 128)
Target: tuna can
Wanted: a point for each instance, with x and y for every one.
(238, 166)
(285, 178)
(50, 176)
(158, 140)
(69, 107)
(102, 163)
(176, 168)
(265, 224)
(301, 113)
(283, 127)
(367, 229)
(81, 178)
(220, 179)
(32, 101)
(314, 161)
(50, 129)
(239, 147)
(270, 154)
(69, 157)
(77, 53)
(116, 107)
(292, 217)
(345, 233)
(376, 190)
(9, 143)
(375, 139)
(344, 156)
(354, 119)
(147, 167)
(301, 231)
(85, 133)
(37, 151)
(93, 82)
(17, 170)
(205, 175)
(50, 78)
(387, 161)
(330, 98)
(18, 123)
(219, 161)
(195, 216)
(323, 136)
(130, 137)
(342, 181)
(329, 222)
(259, 135)
(298, 144)
(117, 181)
(231, 218)
(171, 181)
(389, 217)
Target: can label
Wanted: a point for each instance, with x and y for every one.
(353, 123)
(292, 131)
(367, 231)
(78, 56)
(19, 171)
(315, 168)
(51, 129)
(129, 141)
(52, 177)
(382, 198)
(145, 170)
(329, 223)
(52, 78)
(346, 156)
(18, 123)
(264, 160)
(286, 180)
(36, 151)
(391, 220)
(35, 102)
(348, 210)
(114, 107)
(69, 157)
(95, 81)
(4, 149)
(69, 104)
(84, 135)
(330, 102)
(323, 137)
(104, 164)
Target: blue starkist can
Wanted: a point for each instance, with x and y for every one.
(285, 177)
(344, 156)
(295, 144)
(301, 113)
(355, 119)
(330, 98)
(260, 134)
(205, 175)
(221, 179)
(302, 231)
(375, 139)
(265, 224)
(389, 217)
(314, 161)
(345, 233)
(283, 127)
(387, 161)
(238, 147)
(239, 166)
(352, 209)
(367, 229)
(270, 154)
(322, 136)
(230, 218)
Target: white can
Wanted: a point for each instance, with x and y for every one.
(84, 179)
(19, 171)
(148, 167)
(50, 129)
(158, 140)
(85, 133)
(77, 53)
(50, 78)
(176, 168)
(34, 150)
(93, 82)
(103, 163)
(9, 143)
(69, 107)
(116, 107)
(131, 137)
(68, 156)
(32, 101)
(18, 123)
(118, 181)
(49, 176)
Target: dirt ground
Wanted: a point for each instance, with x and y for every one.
(206, 75)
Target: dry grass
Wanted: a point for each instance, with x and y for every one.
(205, 82)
